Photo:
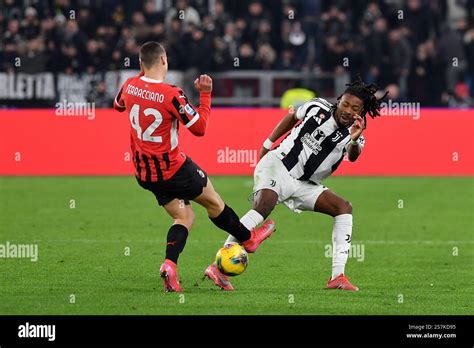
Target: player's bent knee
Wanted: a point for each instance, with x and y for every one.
(345, 208)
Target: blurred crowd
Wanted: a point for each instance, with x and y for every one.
(418, 49)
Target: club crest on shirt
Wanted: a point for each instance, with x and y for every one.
(337, 137)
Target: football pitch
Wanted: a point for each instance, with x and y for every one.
(101, 242)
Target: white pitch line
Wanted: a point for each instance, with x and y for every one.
(302, 241)
(355, 241)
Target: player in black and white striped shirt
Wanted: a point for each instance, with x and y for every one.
(292, 173)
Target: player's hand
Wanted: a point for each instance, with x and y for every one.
(203, 84)
(357, 127)
(263, 152)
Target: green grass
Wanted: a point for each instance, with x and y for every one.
(408, 251)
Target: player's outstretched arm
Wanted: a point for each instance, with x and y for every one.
(286, 124)
(184, 111)
(204, 85)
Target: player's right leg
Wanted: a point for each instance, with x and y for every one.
(264, 202)
(226, 219)
(183, 218)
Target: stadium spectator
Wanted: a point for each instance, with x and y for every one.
(12, 35)
(86, 21)
(220, 18)
(416, 22)
(35, 59)
(30, 24)
(335, 22)
(93, 59)
(246, 57)
(422, 76)
(286, 60)
(255, 15)
(298, 42)
(199, 43)
(230, 38)
(377, 46)
(452, 55)
(222, 57)
(152, 15)
(184, 12)
(266, 56)
(139, 29)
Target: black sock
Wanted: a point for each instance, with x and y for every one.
(229, 222)
(176, 241)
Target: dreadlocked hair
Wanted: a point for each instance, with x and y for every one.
(366, 93)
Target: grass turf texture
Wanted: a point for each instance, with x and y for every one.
(408, 251)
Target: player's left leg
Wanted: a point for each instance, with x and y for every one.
(183, 218)
(341, 210)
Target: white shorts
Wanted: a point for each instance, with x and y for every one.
(270, 173)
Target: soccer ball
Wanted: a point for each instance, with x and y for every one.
(232, 259)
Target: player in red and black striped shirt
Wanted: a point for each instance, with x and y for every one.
(156, 109)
